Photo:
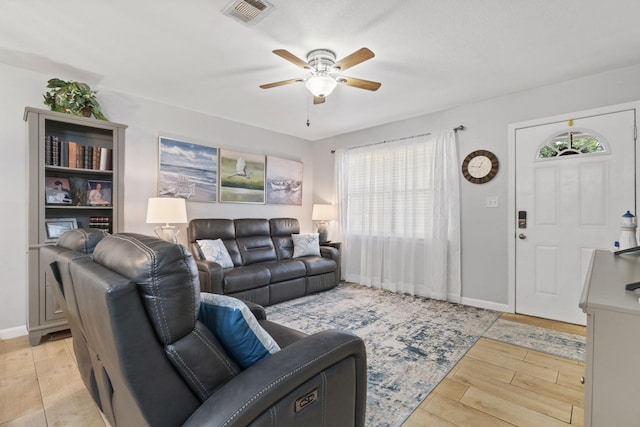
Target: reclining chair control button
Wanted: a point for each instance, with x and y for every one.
(306, 400)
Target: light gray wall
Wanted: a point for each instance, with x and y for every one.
(485, 230)
(147, 120)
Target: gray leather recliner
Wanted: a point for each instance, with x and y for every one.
(73, 244)
(154, 363)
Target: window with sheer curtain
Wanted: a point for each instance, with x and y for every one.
(390, 190)
(395, 198)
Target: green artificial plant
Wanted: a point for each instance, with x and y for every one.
(73, 98)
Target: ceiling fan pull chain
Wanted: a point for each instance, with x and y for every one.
(308, 102)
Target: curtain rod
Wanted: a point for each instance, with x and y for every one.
(456, 129)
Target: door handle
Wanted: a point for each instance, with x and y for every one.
(522, 236)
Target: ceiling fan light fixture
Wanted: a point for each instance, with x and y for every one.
(321, 85)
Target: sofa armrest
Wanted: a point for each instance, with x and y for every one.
(257, 310)
(334, 254)
(330, 252)
(330, 363)
(210, 274)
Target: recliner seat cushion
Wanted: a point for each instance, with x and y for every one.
(246, 277)
(285, 269)
(318, 265)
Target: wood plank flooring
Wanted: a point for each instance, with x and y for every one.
(494, 384)
(498, 384)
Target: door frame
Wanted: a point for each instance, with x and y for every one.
(511, 153)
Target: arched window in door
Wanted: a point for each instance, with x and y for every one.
(575, 142)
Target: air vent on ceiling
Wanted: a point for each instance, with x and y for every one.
(248, 11)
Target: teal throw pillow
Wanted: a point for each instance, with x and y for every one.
(236, 328)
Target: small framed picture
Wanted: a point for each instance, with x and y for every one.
(56, 226)
(57, 191)
(98, 192)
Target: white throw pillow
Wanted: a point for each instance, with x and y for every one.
(215, 250)
(305, 244)
(232, 322)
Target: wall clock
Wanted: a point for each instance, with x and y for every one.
(480, 166)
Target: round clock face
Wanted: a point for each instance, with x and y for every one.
(480, 166)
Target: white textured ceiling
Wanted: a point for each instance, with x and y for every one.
(430, 55)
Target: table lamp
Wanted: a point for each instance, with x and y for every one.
(321, 214)
(167, 210)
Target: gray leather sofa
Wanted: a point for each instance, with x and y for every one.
(152, 363)
(264, 270)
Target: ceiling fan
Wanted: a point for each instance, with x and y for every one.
(325, 71)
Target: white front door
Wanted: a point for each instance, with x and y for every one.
(574, 181)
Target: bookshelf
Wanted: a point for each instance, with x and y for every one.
(76, 167)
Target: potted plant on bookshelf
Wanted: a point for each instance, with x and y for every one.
(73, 98)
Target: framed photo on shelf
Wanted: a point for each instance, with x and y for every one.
(98, 192)
(56, 226)
(57, 191)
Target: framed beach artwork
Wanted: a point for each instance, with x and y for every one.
(284, 181)
(241, 177)
(188, 171)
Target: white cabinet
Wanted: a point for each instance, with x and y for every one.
(612, 376)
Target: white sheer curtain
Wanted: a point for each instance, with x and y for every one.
(400, 215)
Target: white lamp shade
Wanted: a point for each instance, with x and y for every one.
(324, 212)
(321, 85)
(165, 210)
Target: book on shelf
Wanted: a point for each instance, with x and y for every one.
(64, 154)
(80, 156)
(55, 151)
(72, 150)
(95, 161)
(72, 154)
(48, 150)
(101, 222)
(106, 159)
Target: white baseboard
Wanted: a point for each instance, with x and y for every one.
(18, 331)
(489, 305)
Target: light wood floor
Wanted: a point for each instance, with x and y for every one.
(498, 384)
(495, 384)
(41, 386)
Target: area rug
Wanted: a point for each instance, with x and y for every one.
(412, 343)
(562, 344)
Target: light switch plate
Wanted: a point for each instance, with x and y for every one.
(492, 202)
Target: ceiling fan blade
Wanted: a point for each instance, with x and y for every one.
(359, 83)
(291, 58)
(282, 83)
(318, 100)
(355, 58)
